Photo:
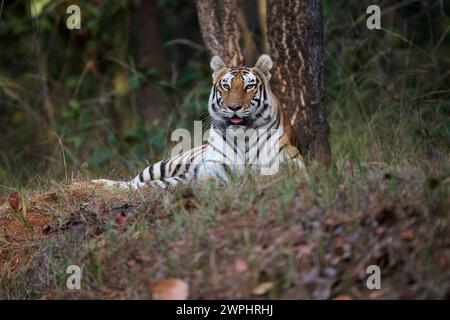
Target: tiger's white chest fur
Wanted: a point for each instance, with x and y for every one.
(238, 151)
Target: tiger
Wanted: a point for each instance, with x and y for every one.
(249, 132)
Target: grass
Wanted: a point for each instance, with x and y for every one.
(308, 238)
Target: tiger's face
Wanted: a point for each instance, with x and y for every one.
(239, 93)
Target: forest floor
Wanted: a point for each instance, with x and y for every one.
(284, 236)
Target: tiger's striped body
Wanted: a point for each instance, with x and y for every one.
(249, 131)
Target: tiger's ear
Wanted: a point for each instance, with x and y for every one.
(264, 64)
(216, 63)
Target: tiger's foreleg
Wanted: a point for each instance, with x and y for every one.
(134, 184)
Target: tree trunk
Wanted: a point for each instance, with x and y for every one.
(320, 147)
(219, 27)
(149, 53)
(295, 29)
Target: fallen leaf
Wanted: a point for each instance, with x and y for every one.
(306, 249)
(408, 235)
(343, 297)
(121, 218)
(263, 288)
(170, 289)
(377, 294)
(240, 265)
(329, 222)
(45, 197)
(131, 263)
(14, 200)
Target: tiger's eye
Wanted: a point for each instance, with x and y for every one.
(225, 86)
(249, 87)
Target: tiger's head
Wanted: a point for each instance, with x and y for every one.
(240, 96)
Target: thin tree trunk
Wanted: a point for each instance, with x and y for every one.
(219, 27)
(320, 147)
(149, 53)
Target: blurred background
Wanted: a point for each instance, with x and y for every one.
(103, 100)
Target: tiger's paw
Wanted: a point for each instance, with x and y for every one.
(110, 183)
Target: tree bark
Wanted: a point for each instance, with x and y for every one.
(295, 29)
(219, 28)
(286, 27)
(321, 129)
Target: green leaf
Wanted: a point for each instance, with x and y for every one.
(74, 104)
(134, 82)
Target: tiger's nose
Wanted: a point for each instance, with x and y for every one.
(235, 107)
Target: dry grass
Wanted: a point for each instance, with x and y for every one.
(299, 238)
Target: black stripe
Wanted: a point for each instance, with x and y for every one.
(196, 171)
(246, 148)
(162, 168)
(177, 168)
(217, 150)
(282, 148)
(264, 108)
(257, 148)
(167, 184)
(295, 156)
(141, 176)
(150, 171)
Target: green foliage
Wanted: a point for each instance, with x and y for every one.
(388, 89)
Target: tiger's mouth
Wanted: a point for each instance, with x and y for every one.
(236, 120)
